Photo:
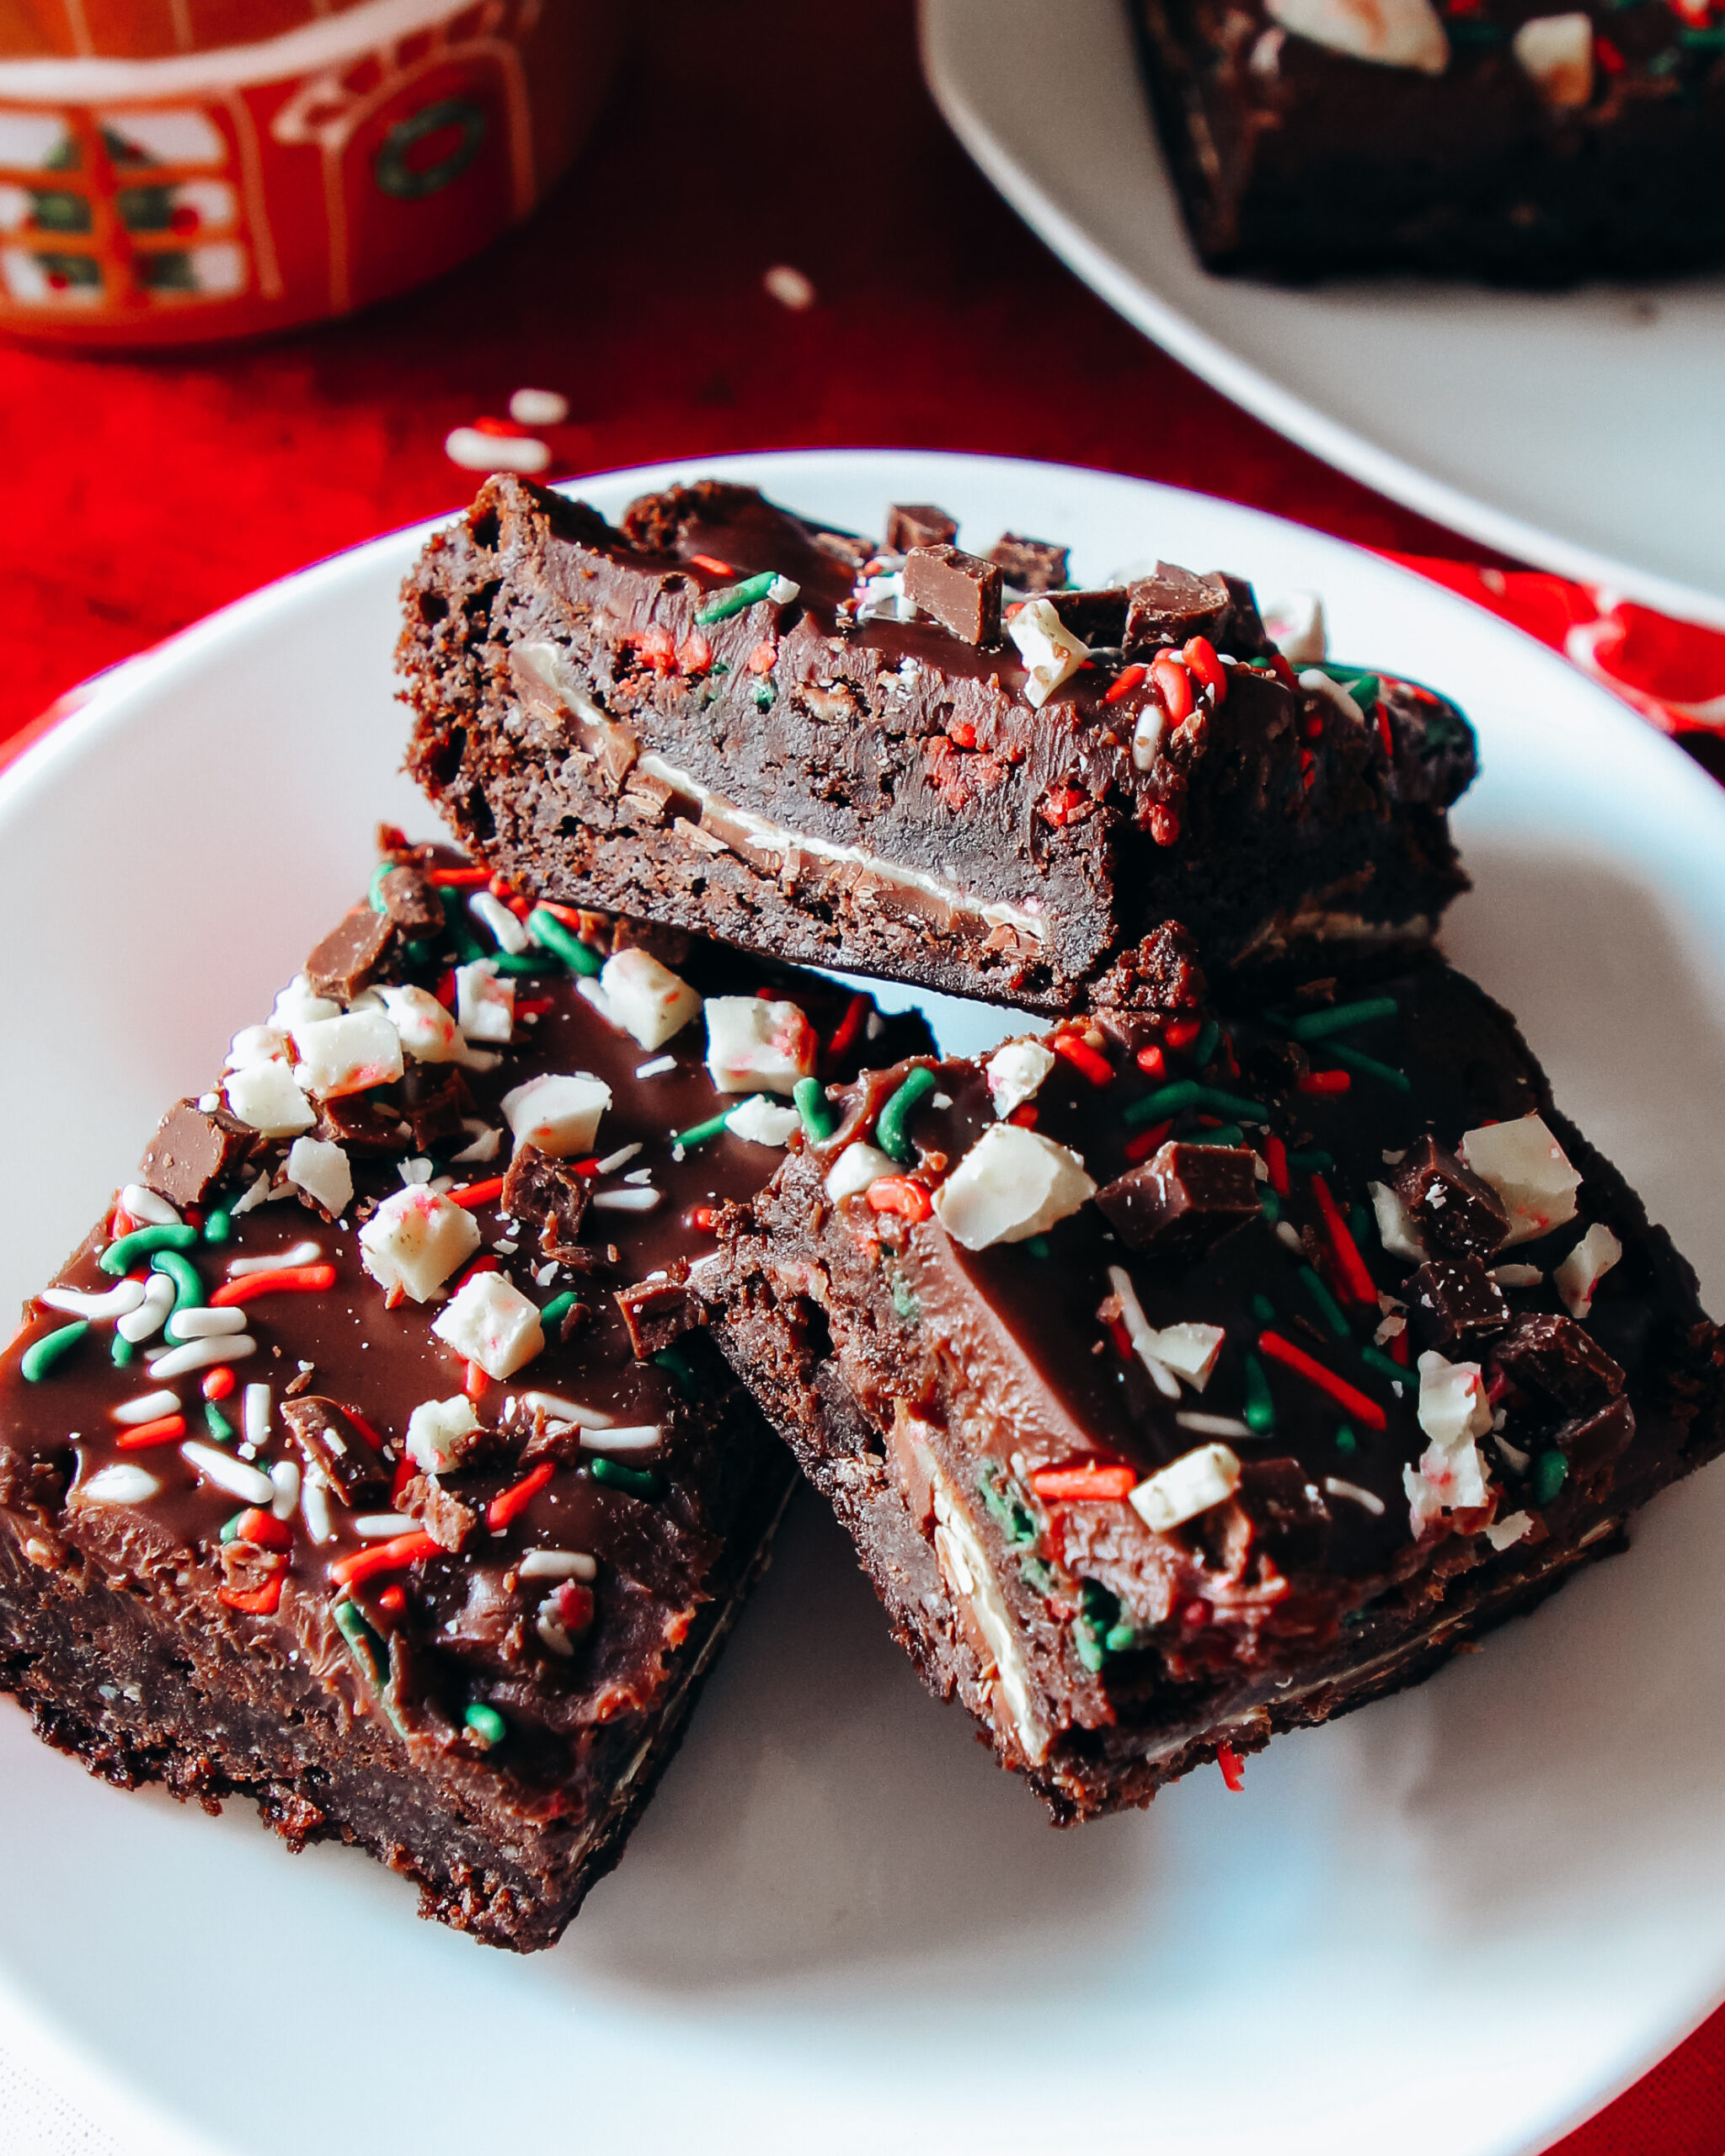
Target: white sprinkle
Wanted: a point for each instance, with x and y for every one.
(121, 1484)
(625, 1201)
(305, 1253)
(120, 1301)
(475, 451)
(1140, 1333)
(567, 1410)
(543, 1275)
(538, 408)
(204, 1324)
(1592, 1534)
(380, 1527)
(483, 1147)
(1504, 1534)
(1213, 1426)
(620, 1159)
(639, 1176)
(789, 287)
(657, 1068)
(258, 1194)
(414, 1172)
(636, 1437)
(152, 1313)
(229, 1474)
(255, 1413)
(1373, 1504)
(208, 1102)
(285, 1481)
(314, 1506)
(1287, 1233)
(509, 933)
(150, 1407)
(1517, 1275)
(144, 1205)
(199, 1354)
(557, 1565)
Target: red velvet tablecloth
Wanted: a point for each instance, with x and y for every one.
(139, 495)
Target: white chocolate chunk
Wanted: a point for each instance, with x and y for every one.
(267, 1096)
(855, 1169)
(1452, 1399)
(1049, 649)
(763, 1122)
(428, 1031)
(1390, 32)
(1530, 1170)
(322, 1173)
(415, 1239)
(492, 1323)
(1012, 1184)
(1395, 1229)
(646, 999)
(1453, 1412)
(1556, 53)
(257, 1044)
(1015, 1074)
(484, 1005)
(752, 1042)
(1297, 626)
(1592, 1258)
(1505, 1533)
(434, 1432)
(1190, 1349)
(346, 1054)
(559, 1112)
(1196, 1482)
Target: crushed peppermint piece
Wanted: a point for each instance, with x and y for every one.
(646, 999)
(1050, 652)
(1015, 1074)
(1504, 1534)
(484, 1001)
(1530, 1170)
(559, 1112)
(323, 1171)
(437, 1431)
(763, 1122)
(415, 1239)
(492, 1323)
(855, 1169)
(1581, 1273)
(753, 1041)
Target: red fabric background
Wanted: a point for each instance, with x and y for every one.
(141, 494)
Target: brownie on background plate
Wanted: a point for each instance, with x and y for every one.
(359, 1461)
(901, 758)
(1187, 1375)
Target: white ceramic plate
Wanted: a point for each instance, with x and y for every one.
(1454, 1923)
(1577, 429)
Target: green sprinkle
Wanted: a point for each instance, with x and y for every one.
(1313, 1157)
(637, 1482)
(698, 1133)
(484, 1725)
(1231, 1104)
(1205, 1047)
(1119, 1639)
(219, 1226)
(188, 1287)
(557, 1309)
(1549, 1472)
(143, 1242)
(1366, 688)
(230, 1528)
(905, 1303)
(764, 697)
(363, 1644)
(1036, 1574)
(1343, 1018)
(1699, 41)
(890, 1134)
(1037, 1246)
(41, 1355)
(1386, 1366)
(1005, 1499)
(517, 962)
(1259, 1412)
(218, 1423)
(374, 894)
(1230, 1133)
(1369, 1067)
(549, 933)
(1264, 1311)
(736, 598)
(121, 1350)
(818, 1117)
(680, 1369)
(1345, 1439)
(1365, 1224)
(1328, 1307)
(421, 950)
(467, 946)
(1269, 1204)
(1088, 1647)
(1165, 1101)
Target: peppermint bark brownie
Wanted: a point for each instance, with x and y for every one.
(1185, 1379)
(354, 1463)
(909, 760)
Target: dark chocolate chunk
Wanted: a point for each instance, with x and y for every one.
(1456, 1299)
(1591, 1442)
(961, 591)
(918, 524)
(1094, 617)
(1290, 1521)
(1555, 1356)
(542, 1193)
(411, 900)
(193, 1149)
(657, 1312)
(1174, 605)
(333, 1443)
(348, 956)
(1030, 564)
(1456, 1211)
(1182, 1201)
(434, 1099)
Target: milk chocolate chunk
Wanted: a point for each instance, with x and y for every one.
(961, 591)
(194, 1149)
(1553, 1355)
(1456, 1301)
(1033, 565)
(1174, 605)
(918, 524)
(411, 900)
(348, 957)
(1182, 1201)
(658, 1312)
(332, 1444)
(1456, 1211)
(435, 1100)
(546, 1194)
(362, 1123)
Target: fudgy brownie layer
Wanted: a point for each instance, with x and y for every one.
(358, 1462)
(726, 718)
(1230, 1440)
(1489, 139)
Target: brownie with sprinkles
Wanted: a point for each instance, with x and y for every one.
(1485, 138)
(936, 766)
(368, 1459)
(1190, 1375)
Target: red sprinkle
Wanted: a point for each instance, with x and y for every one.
(899, 1194)
(764, 658)
(712, 565)
(962, 734)
(405, 1471)
(257, 1602)
(506, 428)
(382, 1557)
(1024, 1116)
(703, 1217)
(501, 888)
(1122, 1340)
(476, 1193)
(218, 1383)
(460, 879)
(1232, 1773)
(1275, 1159)
(1176, 686)
(286, 1280)
(1201, 655)
(445, 990)
(846, 1034)
(570, 916)
(1361, 1284)
(1152, 1062)
(473, 1384)
(487, 1263)
(264, 1529)
(1148, 1141)
(1083, 1057)
(1180, 1032)
(1284, 671)
(1164, 823)
(1338, 1389)
(1125, 684)
(392, 1599)
(1398, 1347)
(1324, 1081)
(1609, 57)
(508, 1503)
(533, 1006)
(695, 654)
(124, 1223)
(1078, 1485)
(363, 1428)
(162, 1431)
(1385, 735)
(574, 1606)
